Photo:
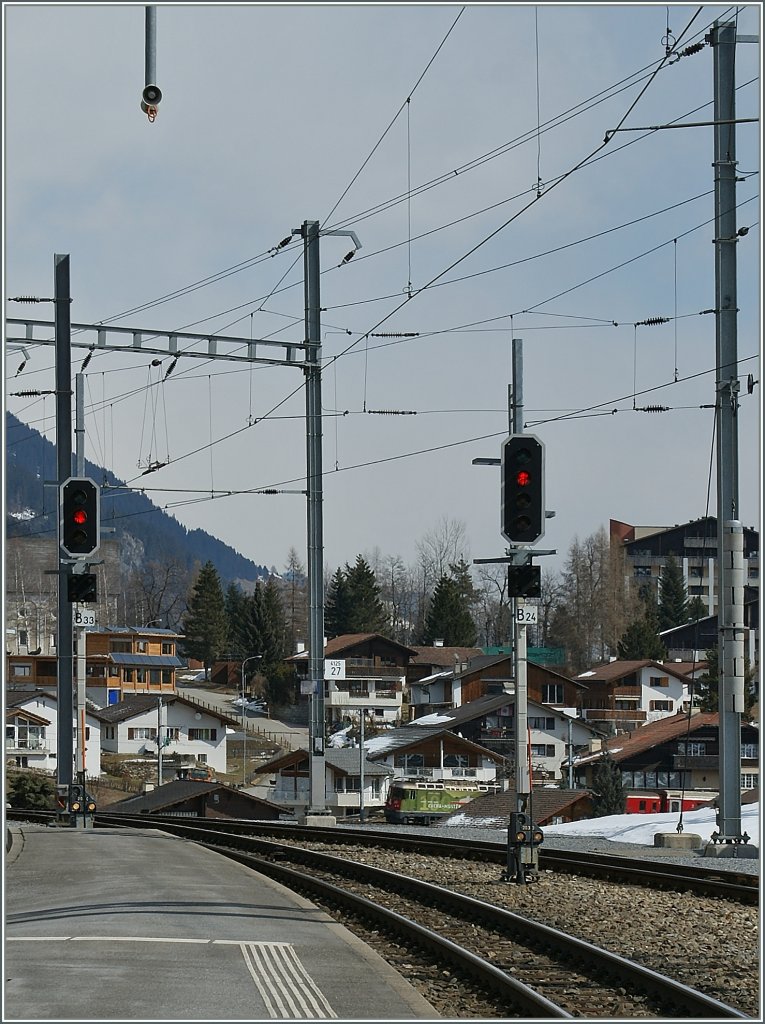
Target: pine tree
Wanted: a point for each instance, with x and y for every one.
(449, 617)
(608, 795)
(696, 610)
(673, 597)
(204, 624)
(641, 639)
(337, 606)
(706, 686)
(367, 614)
(235, 602)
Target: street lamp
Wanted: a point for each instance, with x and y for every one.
(253, 657)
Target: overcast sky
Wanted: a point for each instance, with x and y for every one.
(466, 198)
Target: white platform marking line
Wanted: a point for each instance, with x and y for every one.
(258, 983)
(280, 968)
(296, 980)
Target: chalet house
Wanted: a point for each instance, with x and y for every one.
(490, 723)
(661, 760)
(434, 753)
(433, 677)
(493, 674)
(289, 785)
(186, 730)
(693, 639)
(120, 660)
(185, 798)
(548, 806)
(362, 671)
(124, 660)
(32, 719)
(622, 695)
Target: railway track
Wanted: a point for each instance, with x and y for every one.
(513, 965)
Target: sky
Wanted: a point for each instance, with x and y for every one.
(465, 148)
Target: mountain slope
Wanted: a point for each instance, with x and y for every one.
(146, 532)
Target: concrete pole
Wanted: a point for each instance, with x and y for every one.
(361, 769)
(730, 585)
(310, 234)
(64, 638)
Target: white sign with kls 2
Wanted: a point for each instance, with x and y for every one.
(527, 614)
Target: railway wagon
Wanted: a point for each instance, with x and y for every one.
(422, 803)
(661, 801)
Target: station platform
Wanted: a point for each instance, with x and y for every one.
(129, 924)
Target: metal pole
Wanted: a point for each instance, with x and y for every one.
(730, 586)
(79, 445)
(310, 234)
(64, 638)
(151, 46)
(361, 770)
(159, 740)
(570, 754)
(522, 782)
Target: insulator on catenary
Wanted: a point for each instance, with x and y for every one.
(391, 412)
(652, 321)
(689, 50)
(652, 408)
(393, 334)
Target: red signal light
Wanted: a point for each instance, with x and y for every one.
(80, 516)
(523, 478)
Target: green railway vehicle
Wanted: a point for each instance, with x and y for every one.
(419, 802)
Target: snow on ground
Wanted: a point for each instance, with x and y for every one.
(640, 828)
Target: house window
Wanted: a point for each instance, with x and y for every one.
(154, 676)
(542, 723)
(748, 781)
(750, 750)
(128, 675)
(660, 705)
(168, 648)
(166, 675)
(22, 670)
(659, 681)
(142, 646)
(202, 758)
(140, 675)
(172, 733)
(142, 734)
(642, 570)
(552, 693)
(203, 734)
(121, 647)
(24, 638)
(109, 732)
(95, 671)
(543, 749)
(695, 748)
(456, 761)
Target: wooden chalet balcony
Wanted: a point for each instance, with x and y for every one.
(612, 715)
(680, 761)
(627, 691)
(368, 670)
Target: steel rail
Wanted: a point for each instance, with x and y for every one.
(566, 947)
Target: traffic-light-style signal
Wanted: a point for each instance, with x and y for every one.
(524, 581)
(523, 489)
(76, 798)
(79, 517)
(82, 587)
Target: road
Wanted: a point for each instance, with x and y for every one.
(281, 732)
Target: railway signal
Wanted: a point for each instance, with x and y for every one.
(79, 515)
(523, 489)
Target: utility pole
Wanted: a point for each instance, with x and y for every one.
(64, 638)
(730, 598)
(79, 444)
(310, 234)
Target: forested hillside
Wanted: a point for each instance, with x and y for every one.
(31, 509)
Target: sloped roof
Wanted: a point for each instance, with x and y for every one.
(622, 747)
(24, 713)
(139, 703)
(492, 810)
(485, 661)
(614, 670)
(444, 656)
(341, 643)
(91, 709)
(136, 630)
(410, 737)
(178, 791)
(343, 759)
(485, 706)
(146, 660)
